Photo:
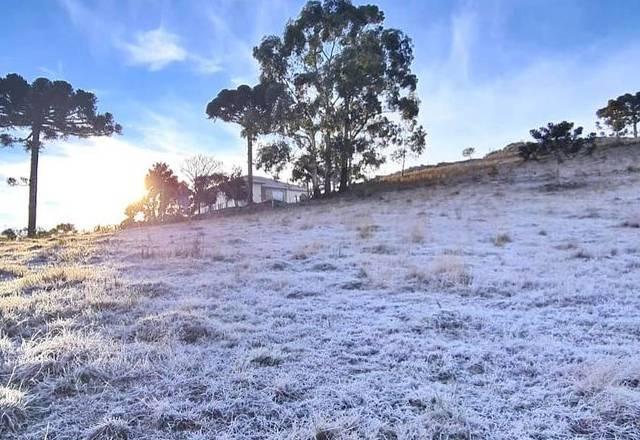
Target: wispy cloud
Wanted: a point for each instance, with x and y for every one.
(55, 73)
(155, 49)
(463, 29)
(206, 66)
(100, 31)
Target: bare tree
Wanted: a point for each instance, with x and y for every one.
(194, 169)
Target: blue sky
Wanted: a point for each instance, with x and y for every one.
(488, 72)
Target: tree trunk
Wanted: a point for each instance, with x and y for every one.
(327, 165)
(404, 155)
(250, 169)
(33, 182)
(314, 168)
(344, 170)
(635, 128)
(345, 154)
(314, 180)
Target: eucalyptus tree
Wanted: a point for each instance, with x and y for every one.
(253, 108)
(44, 111)
(348, 78)
(273, 157)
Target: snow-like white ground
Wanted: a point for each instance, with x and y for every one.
(495, 310)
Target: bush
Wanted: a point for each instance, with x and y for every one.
(9, 234)
(560, 140)
(64, 228)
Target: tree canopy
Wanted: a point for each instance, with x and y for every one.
(468, 152)
(45, 110)
(253, 108)
(560, 140)
(200, 171)
(162, 188)
(350, 88)
(622, 112)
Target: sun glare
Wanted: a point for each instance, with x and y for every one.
(100, 178)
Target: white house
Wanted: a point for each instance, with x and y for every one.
(265, 190)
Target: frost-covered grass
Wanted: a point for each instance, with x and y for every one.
(499, 310)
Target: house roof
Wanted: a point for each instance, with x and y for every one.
(276, 184)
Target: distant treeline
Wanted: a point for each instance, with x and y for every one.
(169, 199)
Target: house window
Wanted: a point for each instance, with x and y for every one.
(274, 194)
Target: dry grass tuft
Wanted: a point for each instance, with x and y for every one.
(582, 255)
(110, 429)
(380, 249)
(366, 229)
(187, 327)
(55, 278)
(13, 408)
(417, 235)
(190, 250)
(54, 355)
(610, 391)
(263, 357)
(74, 255)
(444, 271)
(502, 239)
(9, 271)
(451, 269)
(284, 391)
(632, 222)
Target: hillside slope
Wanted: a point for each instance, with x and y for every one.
(501, 309)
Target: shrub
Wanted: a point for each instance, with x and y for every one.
(12, 409)
(64, 228)
(560, 140)
(9, 234)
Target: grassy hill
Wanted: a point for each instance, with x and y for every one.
(494, 306)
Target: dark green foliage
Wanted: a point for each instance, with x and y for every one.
(345, 74)
(47, 110)
(620, 113)
(273, 157)
(251, 108)
(559, 140)
(22, 181)
(169, 199)
(9, 234)
(166, 196)
(234, 186)
(64, 228)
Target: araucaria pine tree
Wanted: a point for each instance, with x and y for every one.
(44, 111)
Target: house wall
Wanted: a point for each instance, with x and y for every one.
(257, 193)
(260, 194)
(293, 196)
